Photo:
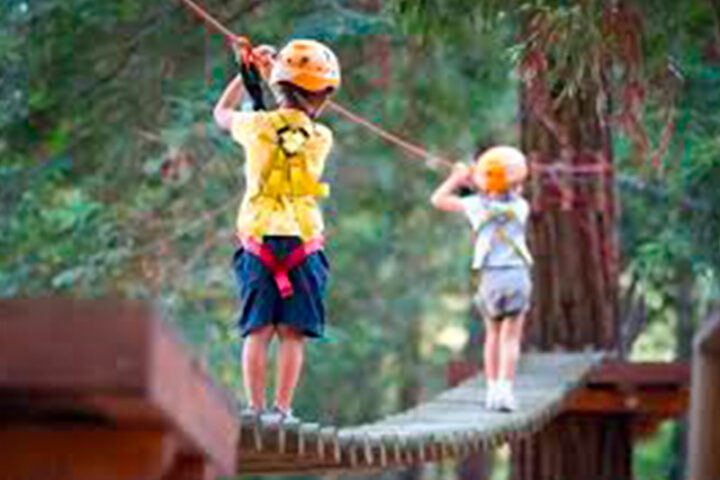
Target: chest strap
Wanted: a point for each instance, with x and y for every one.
(280, 268)
(502, 235)
(287, 173)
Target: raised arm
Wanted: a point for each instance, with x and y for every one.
(228, 102)
(231, 97)
(444, 198)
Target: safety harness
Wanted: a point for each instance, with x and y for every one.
(501, 219)
(501, 234)
(281, 268)
(285, 177)
(287, 173)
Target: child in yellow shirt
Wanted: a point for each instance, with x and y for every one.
(280, 267)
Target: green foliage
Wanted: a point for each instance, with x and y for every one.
(651, 461)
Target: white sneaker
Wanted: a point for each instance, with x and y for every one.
(491, 397)
(505, 398)
(278, 415)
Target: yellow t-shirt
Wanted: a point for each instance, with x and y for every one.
(281, 189)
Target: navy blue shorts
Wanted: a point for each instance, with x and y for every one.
(260, 300)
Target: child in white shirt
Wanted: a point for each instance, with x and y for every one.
(498, 215)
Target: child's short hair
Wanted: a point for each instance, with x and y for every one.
(295, 97)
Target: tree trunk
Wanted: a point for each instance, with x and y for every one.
(587, 447)
(572, 232)
(573, 239)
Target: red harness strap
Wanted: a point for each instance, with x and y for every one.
(281, 268)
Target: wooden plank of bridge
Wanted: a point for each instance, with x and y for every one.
(72, 371)
(450, 426)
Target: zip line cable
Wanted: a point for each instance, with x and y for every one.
(390, 137)
(207, 18)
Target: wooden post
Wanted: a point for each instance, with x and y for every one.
(596, 447)
(704, 439)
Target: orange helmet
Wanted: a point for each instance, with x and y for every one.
(307, 64)
(500, 168)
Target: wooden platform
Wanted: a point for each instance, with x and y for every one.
(650, 391)
(99, 389)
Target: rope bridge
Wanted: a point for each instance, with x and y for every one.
(452, 425)
(105, 389)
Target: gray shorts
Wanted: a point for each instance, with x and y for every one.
(503, 292)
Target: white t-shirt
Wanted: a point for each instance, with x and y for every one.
(488, 215)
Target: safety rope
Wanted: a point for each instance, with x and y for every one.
(405, 145)
(432, 161)
(246, 46)
(207, 18)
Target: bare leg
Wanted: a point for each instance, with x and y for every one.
(254, 361)
(491, 349)
(510, 336)
(289, 366)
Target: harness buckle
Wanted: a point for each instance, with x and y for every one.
(280, 268)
